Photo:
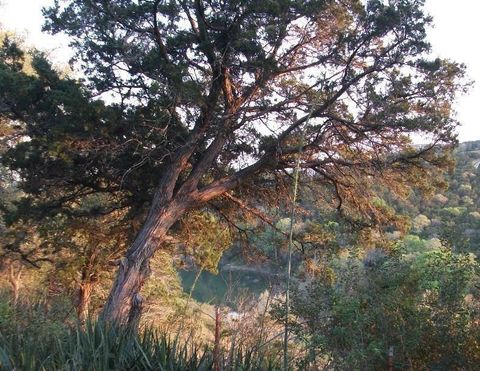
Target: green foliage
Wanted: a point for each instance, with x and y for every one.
(73, 146)
(206, 238)
(413, 300)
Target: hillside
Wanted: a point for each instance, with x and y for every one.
(452, 215)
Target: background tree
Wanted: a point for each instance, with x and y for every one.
(85, 252)
(203, 98)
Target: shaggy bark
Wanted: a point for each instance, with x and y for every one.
(124, 305)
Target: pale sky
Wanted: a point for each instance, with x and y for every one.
(455, 36)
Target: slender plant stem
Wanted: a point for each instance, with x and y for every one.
(289, 263)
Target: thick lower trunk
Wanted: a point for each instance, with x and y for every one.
(84, 298)
(124, 304)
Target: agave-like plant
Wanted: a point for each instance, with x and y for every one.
(95, 346)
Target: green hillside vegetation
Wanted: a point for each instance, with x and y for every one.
(452, 215)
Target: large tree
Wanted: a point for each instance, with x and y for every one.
(188, 101)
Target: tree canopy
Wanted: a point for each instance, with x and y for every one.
(185, 101)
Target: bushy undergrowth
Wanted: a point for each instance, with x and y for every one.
(29, 340)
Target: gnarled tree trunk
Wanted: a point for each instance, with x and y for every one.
(172, 199)
(124, 304)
